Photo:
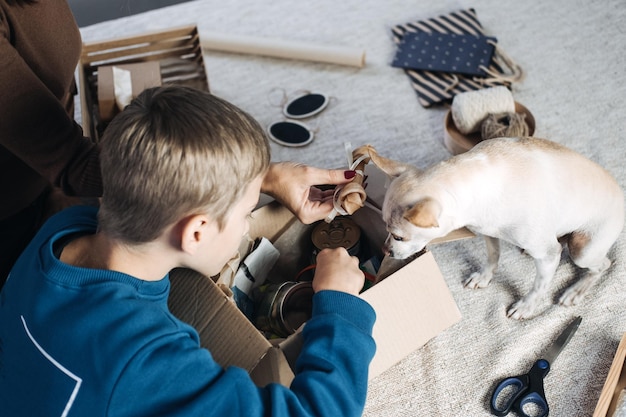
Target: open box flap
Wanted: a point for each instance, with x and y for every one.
(273, 368)
(230, 337)
(427, 308)
(270, 221)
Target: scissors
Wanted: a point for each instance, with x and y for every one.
(524, 393)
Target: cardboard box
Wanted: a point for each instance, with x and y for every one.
(177, 52)
(614, 384)
(142, 75)
(413, 304)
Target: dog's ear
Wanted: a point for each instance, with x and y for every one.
(388, 166)
(425, 213)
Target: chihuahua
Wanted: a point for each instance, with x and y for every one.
(533, 193)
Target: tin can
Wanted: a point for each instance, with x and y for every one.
(284, 307)
(340, 232)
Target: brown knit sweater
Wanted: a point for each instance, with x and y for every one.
(39, 142)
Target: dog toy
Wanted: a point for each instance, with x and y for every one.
(350, 197)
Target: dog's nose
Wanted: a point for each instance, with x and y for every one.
(387, 251)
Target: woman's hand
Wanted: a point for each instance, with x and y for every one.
(296, 187)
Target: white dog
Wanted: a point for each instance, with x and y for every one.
(530, 192)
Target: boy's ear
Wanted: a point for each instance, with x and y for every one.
(194, 230)
(425, 213)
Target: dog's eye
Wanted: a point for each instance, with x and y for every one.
(397, 238)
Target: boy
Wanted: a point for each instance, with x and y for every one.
(84, 324)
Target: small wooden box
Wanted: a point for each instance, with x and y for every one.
(178, 52)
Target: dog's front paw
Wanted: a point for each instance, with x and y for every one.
(478, 280)
(573, 295)
(576, 292)
(521, 309)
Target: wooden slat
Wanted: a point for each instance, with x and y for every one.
(179, 43)
(615, 382)
(148, 54)
(150, 37)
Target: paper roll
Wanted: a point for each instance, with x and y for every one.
(283, 49)
(122, 87)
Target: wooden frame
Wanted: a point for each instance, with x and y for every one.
(614, 384)
(178, 50)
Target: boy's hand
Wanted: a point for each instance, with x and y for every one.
(337, 270)
(295, 186)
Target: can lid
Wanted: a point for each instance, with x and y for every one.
(341, 231)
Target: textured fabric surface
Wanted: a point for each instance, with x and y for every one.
(573, 56)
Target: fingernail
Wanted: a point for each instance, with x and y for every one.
(349, 174)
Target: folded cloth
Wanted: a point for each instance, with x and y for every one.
(434, 87)
(448, 52)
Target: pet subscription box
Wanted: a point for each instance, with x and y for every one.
(413, 303)
(172, 56)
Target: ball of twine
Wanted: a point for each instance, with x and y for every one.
(470, 108)
(504, 125)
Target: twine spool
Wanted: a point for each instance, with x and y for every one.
(504, 125)
(469, 109)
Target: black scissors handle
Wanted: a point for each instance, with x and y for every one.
(516, 393)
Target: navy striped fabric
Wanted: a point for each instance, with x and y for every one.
(436, 87)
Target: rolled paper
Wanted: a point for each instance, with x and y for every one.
(123, 87)
(279, 48)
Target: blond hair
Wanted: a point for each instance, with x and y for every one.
(176, 151)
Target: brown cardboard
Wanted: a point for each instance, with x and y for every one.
(412, 305)
(614, 384)
(142, 75)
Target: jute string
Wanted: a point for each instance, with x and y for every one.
(504, 125)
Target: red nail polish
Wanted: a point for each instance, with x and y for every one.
(349, 174)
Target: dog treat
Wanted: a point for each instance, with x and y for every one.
(471, 108)
(389, 166)
(352, 196)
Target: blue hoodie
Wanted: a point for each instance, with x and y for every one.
(87, 342)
